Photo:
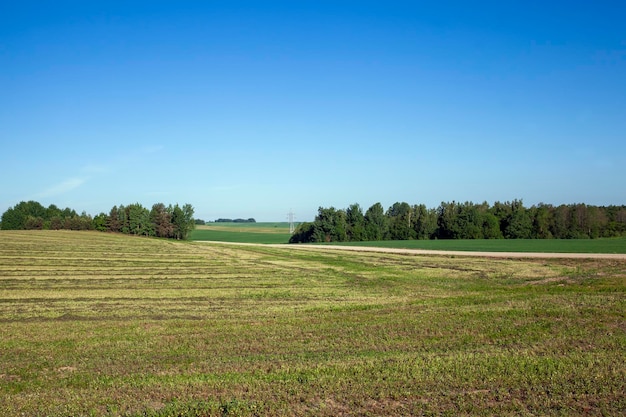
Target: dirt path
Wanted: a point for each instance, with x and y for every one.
(536, 255)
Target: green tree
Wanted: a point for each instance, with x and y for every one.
(376, 223)
(100, 222)
(399, 217)
(161, 219)
(113, 220)
(502, 211)
(560, 226)
(123, 219)
(53, 211)
(139, 220)
(519, 224)
(182, 220)
(597, 221)
(13, 219)
(56, 223)
(468, 222)
(303, 233)
(330, 225)
(425, 222)
(446, 220)
(491, 226)
(190, 225)
(86, 221)
(16, 217)
(616, 221)
(541, 221)
(68, 213)
(35, 209)
(76, 222)
(33, 223)
(355, 223)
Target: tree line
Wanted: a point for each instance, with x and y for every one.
(172, 222)
(452, 220)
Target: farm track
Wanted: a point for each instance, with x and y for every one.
(401, 251)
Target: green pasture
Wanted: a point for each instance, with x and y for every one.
(605, 245)
(243, 232)
(261, 227)
(97, 324)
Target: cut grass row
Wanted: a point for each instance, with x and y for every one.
(173, 328)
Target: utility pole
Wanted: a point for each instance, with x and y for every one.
(291, 216)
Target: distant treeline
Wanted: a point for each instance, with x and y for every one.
(173, 222)
(508, 220)
(250, 220)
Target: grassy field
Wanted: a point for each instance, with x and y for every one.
(101, 324)
(607, 245)
(243, 232)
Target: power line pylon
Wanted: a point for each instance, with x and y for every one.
(291, 216)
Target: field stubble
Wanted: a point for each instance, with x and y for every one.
(99, 324)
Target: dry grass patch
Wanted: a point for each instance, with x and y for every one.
(98, 324)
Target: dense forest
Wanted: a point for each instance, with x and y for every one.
(173, 222)
(508, 220)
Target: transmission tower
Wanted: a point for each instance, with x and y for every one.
(291, 216)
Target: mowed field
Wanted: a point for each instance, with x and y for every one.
(102, 324)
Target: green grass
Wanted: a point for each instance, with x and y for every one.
(605, 245)
(107, 325)
(277, 227)
(243, 232)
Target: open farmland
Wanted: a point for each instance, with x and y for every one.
(243, 232)
(102, 324)
(615, 245)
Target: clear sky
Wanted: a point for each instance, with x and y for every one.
(250, 109)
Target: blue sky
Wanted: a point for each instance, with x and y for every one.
(250, 109)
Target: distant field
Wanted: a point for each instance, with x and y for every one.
(262, 227)
(607, 245)
(243, 232)
(97, 324)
